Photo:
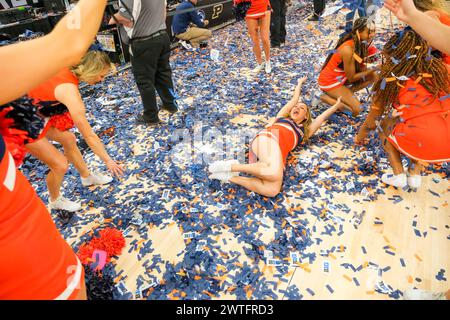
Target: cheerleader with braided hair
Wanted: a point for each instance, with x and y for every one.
(344, 71)
(415, 86)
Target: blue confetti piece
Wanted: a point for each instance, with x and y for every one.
(329, 288)
(434, 193)
(383, 84)
(310, 291)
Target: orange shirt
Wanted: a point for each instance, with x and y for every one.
(424, 130)
(35, 261)
(46, 91)
(287, 133)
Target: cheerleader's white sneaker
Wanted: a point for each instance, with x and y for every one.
(64, 204)
(258, 68)
(268, 67)
(222, 166)
(398, 181)
(96, 179)
(224, 177)
(415, 181)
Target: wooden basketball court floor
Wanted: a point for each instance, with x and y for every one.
(359, 238)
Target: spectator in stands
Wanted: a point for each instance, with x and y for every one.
(189, 26)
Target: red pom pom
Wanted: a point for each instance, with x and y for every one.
(111, 240)
(85, 253)
(14, 139)
(62, 122)
(372, 50)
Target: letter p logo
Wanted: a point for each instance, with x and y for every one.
(217, 10)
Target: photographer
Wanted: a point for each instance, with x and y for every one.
(182, 28)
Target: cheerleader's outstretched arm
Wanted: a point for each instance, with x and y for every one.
(69, 95)
(317, 122)
(284, 112)
(27, 64)
(434, 32)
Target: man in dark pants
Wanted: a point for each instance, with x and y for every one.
(278, 22)
(319, 7)
(355, 5)
(145, 24)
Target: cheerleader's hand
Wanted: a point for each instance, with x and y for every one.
(403, 9)
(114, 168)
(301, 81)
(361, 139)
(396, 113)
(338, 105)
(271, 122)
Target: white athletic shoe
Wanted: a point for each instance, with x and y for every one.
(415, 181)
(222, 166)
(96, 179)
(223, 177)
(186, 45)
(417, 294)
(316, 100)
(258, 68)
(64, 204)
(398, 181)
(268, 67)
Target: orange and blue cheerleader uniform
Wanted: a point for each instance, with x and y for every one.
(333, 75)
(258, 9)
(35, 261)
(445, 19)
(288, 135)
(423, 132)
(55, 113)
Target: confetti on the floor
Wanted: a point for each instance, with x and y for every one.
(189, 237)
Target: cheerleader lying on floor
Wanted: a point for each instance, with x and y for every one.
(269, 150)
(420, 126)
